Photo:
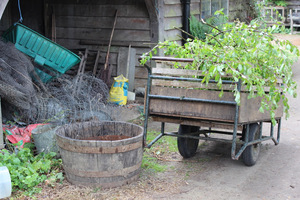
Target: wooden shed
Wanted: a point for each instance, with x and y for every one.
(87, 24)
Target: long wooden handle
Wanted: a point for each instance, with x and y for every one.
(111, 36)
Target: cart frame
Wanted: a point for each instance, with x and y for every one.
(235, 154)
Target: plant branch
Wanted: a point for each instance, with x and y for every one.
(184, 32)
(210, 25)
(215, 39)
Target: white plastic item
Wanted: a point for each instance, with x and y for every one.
(131, 96)
(5, 183)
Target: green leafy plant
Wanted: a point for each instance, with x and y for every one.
(199, 29)
(27, 170)
(278, 2)
(249, 54)
(279, 29)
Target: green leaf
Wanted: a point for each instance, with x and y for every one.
(221, 93)
(237, 97)
(261, 109)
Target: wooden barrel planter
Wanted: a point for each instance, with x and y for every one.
(102, 154)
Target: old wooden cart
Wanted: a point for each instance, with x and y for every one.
(176, 96)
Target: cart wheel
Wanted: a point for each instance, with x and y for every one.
(187, 147)
(251, 153)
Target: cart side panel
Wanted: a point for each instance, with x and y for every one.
(248, 112)
(196, 110)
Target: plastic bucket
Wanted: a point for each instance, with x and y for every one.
(44, 138)
(5, 183)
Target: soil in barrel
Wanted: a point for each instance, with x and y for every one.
(107, 137)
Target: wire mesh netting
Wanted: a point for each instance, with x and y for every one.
(65, 100)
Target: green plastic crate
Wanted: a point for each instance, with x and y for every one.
(44, 51)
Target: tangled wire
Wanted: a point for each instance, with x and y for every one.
(64, 100)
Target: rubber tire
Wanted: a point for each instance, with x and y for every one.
(187, 147)
(251, 153)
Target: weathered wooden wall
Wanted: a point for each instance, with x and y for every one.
(170, 13)
(88, 24)
(293, 3)
(240, 9)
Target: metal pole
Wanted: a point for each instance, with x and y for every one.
(147, 104)
(233, 147)
(185, 18)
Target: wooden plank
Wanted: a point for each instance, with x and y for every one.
(211, 86)
(187, 84)
(140, 82)
(122, 61)
(154, 26)
(103, 22)
(168, 2)
(95, 2)
(173, 10)
(173, 22)
(196, 110)
(195, 122)
(176, 72)
(161, 24)
(248, 112)
(103, 34)
(92, 10)
(131, 65)
(172, 35)
(126, 59)
(141, 72)
(96, 44)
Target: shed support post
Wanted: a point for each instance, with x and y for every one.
(1, 130)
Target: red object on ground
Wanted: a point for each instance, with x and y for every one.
(16, 134)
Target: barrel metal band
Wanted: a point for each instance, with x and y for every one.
(98, 150)
(106, 184)
(102, 174)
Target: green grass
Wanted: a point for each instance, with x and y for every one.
(163, 146)
(166, 143)
(152, 163)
